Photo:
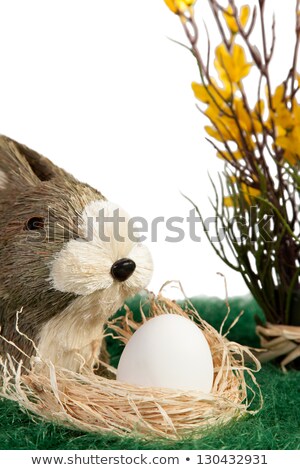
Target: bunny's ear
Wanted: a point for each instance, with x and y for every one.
(21, 166)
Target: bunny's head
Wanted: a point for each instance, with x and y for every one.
(61, 242)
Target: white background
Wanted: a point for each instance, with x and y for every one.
(97, 87)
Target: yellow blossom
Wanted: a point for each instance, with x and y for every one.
(257, 116)
(230, 20)
(224, 128)
(232, 65)
(242, 115)
(278, 97)
(228, 201)
(278, 113)
(249, 121)
(285, 117)
(233, 122)
(291, 158)
(179, 6)
(211, 94)
(290, 142)
(249, 194)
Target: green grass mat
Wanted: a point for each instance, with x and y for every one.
(277, 426)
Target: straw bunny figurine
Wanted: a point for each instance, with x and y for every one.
(61, 263)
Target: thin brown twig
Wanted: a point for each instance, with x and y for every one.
(215, 8)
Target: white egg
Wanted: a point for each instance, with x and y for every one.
(168, 351)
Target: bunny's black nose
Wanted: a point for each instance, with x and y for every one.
(122, 269)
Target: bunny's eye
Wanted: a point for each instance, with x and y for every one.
(35, 223)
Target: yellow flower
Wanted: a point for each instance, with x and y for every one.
(277, 98)
(232, 65)
(290, 142)
(285, 117)
(278, 112)
(233, 122)
(230, 20)
(242, 115)
(224, 128)
(228, 201)
(291, 158)
(211, 94)
(179, 6)
(248, 192)
(249, 121)
(257, 116)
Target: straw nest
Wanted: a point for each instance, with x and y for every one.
(94, 403)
